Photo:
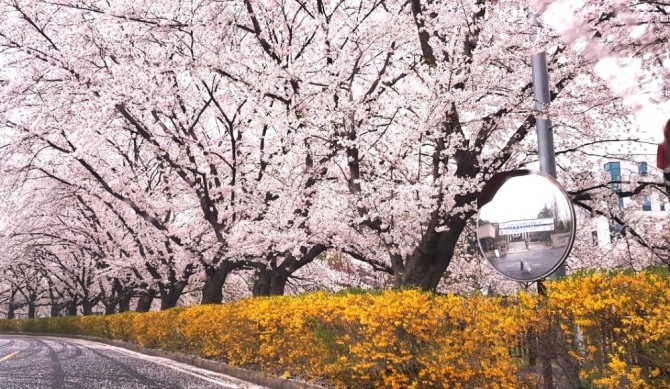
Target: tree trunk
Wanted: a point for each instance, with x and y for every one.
(145, 300)
(425, 266)
(71, 308)
(215, 278)
(123, 295)
(87, 307)
(270, 282)
(124, 302)
(170, 295)
(110, 301)
(110, 307)
(11, 308)
(31, 310)
(55, 309)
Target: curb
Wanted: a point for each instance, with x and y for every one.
(251, 376)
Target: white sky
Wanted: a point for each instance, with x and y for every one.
(521, 198)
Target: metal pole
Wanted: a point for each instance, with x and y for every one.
(545, 136)
(547, 157)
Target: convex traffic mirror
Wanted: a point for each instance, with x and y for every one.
(526, 224)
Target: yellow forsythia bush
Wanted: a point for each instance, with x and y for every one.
(614, 327)
(619, 326)
(391, 339)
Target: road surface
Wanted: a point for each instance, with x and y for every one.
(31, 362)
(540, 261)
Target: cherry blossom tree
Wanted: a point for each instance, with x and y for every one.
(185, 142)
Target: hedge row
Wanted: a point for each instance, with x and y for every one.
(614, 329)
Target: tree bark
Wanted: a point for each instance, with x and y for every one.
(170, 295)
(110, 307)
(55, 310)
(123, 295)
(87, 307)
(426, 49)
(425, 266)
(71, 308)
(11, 308)
(31, 310)
(145, 300)
(124, 302)
(215, 278)
(270, 282)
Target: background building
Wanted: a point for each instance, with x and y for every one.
(650, 206)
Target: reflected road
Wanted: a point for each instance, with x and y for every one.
(540, 261)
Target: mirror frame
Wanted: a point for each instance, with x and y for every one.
(488, 193)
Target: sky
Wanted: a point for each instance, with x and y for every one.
(522, 198)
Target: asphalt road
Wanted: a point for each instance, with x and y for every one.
(30, 362)
(539, 260)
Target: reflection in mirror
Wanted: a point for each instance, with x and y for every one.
(526, 224)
